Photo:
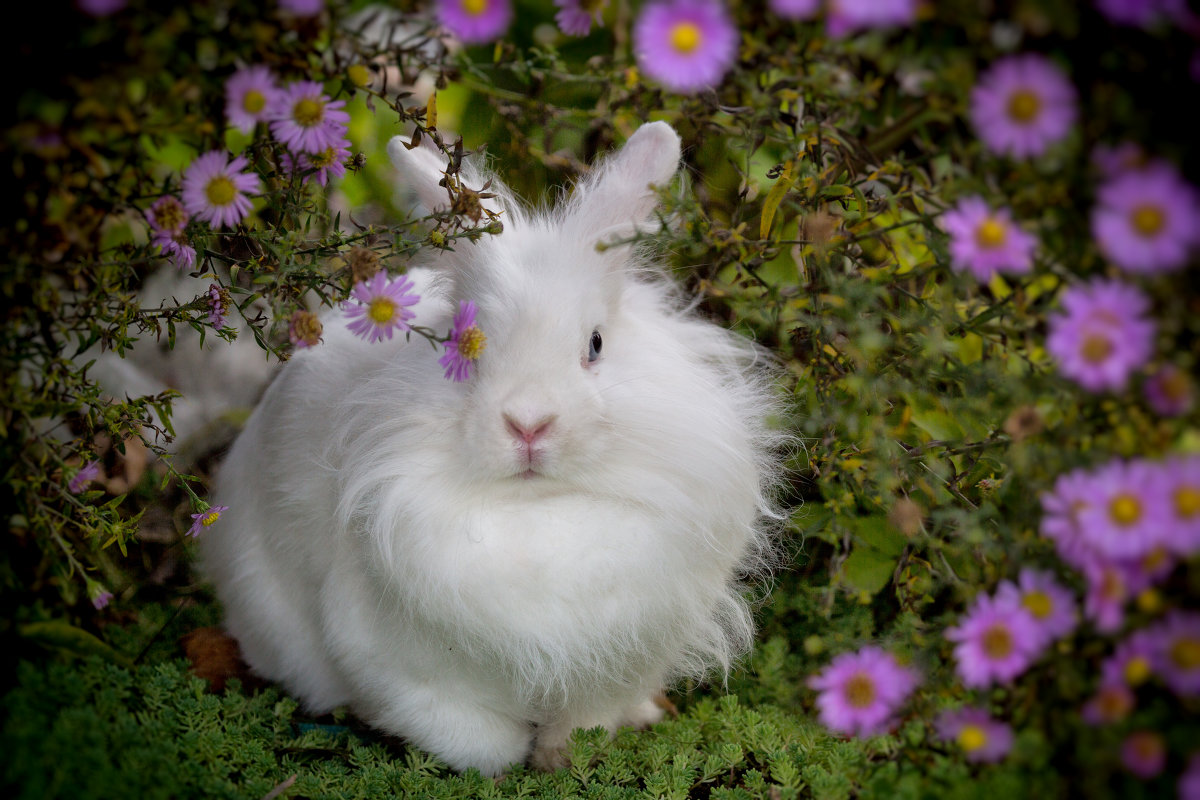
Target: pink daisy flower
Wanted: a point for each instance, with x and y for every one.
(215, 189)
(686, 45)
(995, 641)
(1189, 781)
(575, 17)
(1060, 515)
(1022, 105)
(984, 241)
(100, 8)
(1169, 391)
(464, 345)
(1144, 753)
(1181, 476)
(383, 307)
(305, 120)
(475, 21)
(1128, 514)
(329, 163)
(847, 16)
(99, 596)
(206, 519)
(249, 94)
(218, 306)
(1113, 702)
(88, 473)
(1146, 220)
(981, 737)
(1142, 13)
(1132, 663)
(1177, 659)
(1049, 602)
(795, 9)
(1102, 336)
(860, 692)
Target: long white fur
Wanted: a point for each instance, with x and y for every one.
(383, 549)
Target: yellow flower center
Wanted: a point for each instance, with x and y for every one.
(972, 738)
(860, 690)
(1038, 603)
(471, 343)
(220, 191)
(997, 642)
(1023, 105)
(253, 101)
(381, 310)
(1148, 220)
(1113, 703)
(1096, 348)
(1125, 509)
(210, 518)
(685, 37)
(1187, 501)
(1137, 670)
(1185, 654)
(475, 7)
(358, 74)
(308, 112)
(990, 234)
(169, 216)
(322, 159)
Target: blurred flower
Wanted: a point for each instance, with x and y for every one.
(383, 307)
(1132, 663)
(1102, 335)
(465, 344)
(302, 8)
(1189, 781)
(363, 262)
(1023, 422)
(1071, 493)
(981, 737)
(100, 8)
(1113, 159)
(1146, 220)
(206, 519)
(1142, 13)
(1022, 105)
(686, 45)
(88, 473)
(795, 9)
(1113, 702)
(306, 120)
(1128, 515)
(984, 241)
(304, 329)
(1169, 391)
(330, 162)
(847, 16)
(1144, 753)
(860, 692)
(1049, 602)
(249, 95)
(168, 219)
(996, 640)
(1178, 652)
(1181, 476)
(215, 188)
(575, 17)
(218, 306)
(475, 21)
(99, 596)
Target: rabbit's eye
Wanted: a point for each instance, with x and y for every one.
(594, 346)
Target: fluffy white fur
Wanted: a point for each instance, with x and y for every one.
(392, 544)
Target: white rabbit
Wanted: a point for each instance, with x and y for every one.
(481, 567)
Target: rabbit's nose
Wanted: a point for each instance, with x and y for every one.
(529, 431)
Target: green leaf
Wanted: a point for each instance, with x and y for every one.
(61, 635)
(773, 199)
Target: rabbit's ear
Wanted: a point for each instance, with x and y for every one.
(421, 170)
(624, 192)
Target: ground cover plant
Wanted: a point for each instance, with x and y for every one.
(965, 229)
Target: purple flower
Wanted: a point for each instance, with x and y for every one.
(1103, 334)
(996, 640)
(1189, 781)
(686, 45)
(1132, 663)
(1146, 220)
(383, 307)
(1169, 391)
(860, 692)
(1113, 702)
(330, 162)
(982, 738)
(100, 8)
(1127, 516)
(795, 9)
(249, 95)
(475, 21)
(304, 329)
(575, 17)
(1049, 602)
(168, 219)
(218, 306)
(1113, 159)
(99, 596)
(847, 16)
(1142, 13)
(1144, 753)
(88, 473)
(984, 241)
(1177, 659)
(1022, 106)
(464, 345)
(302, 8)
(215, 189)
(1181, 476)
(1060, 515)
(306, 120)
(205, 519)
